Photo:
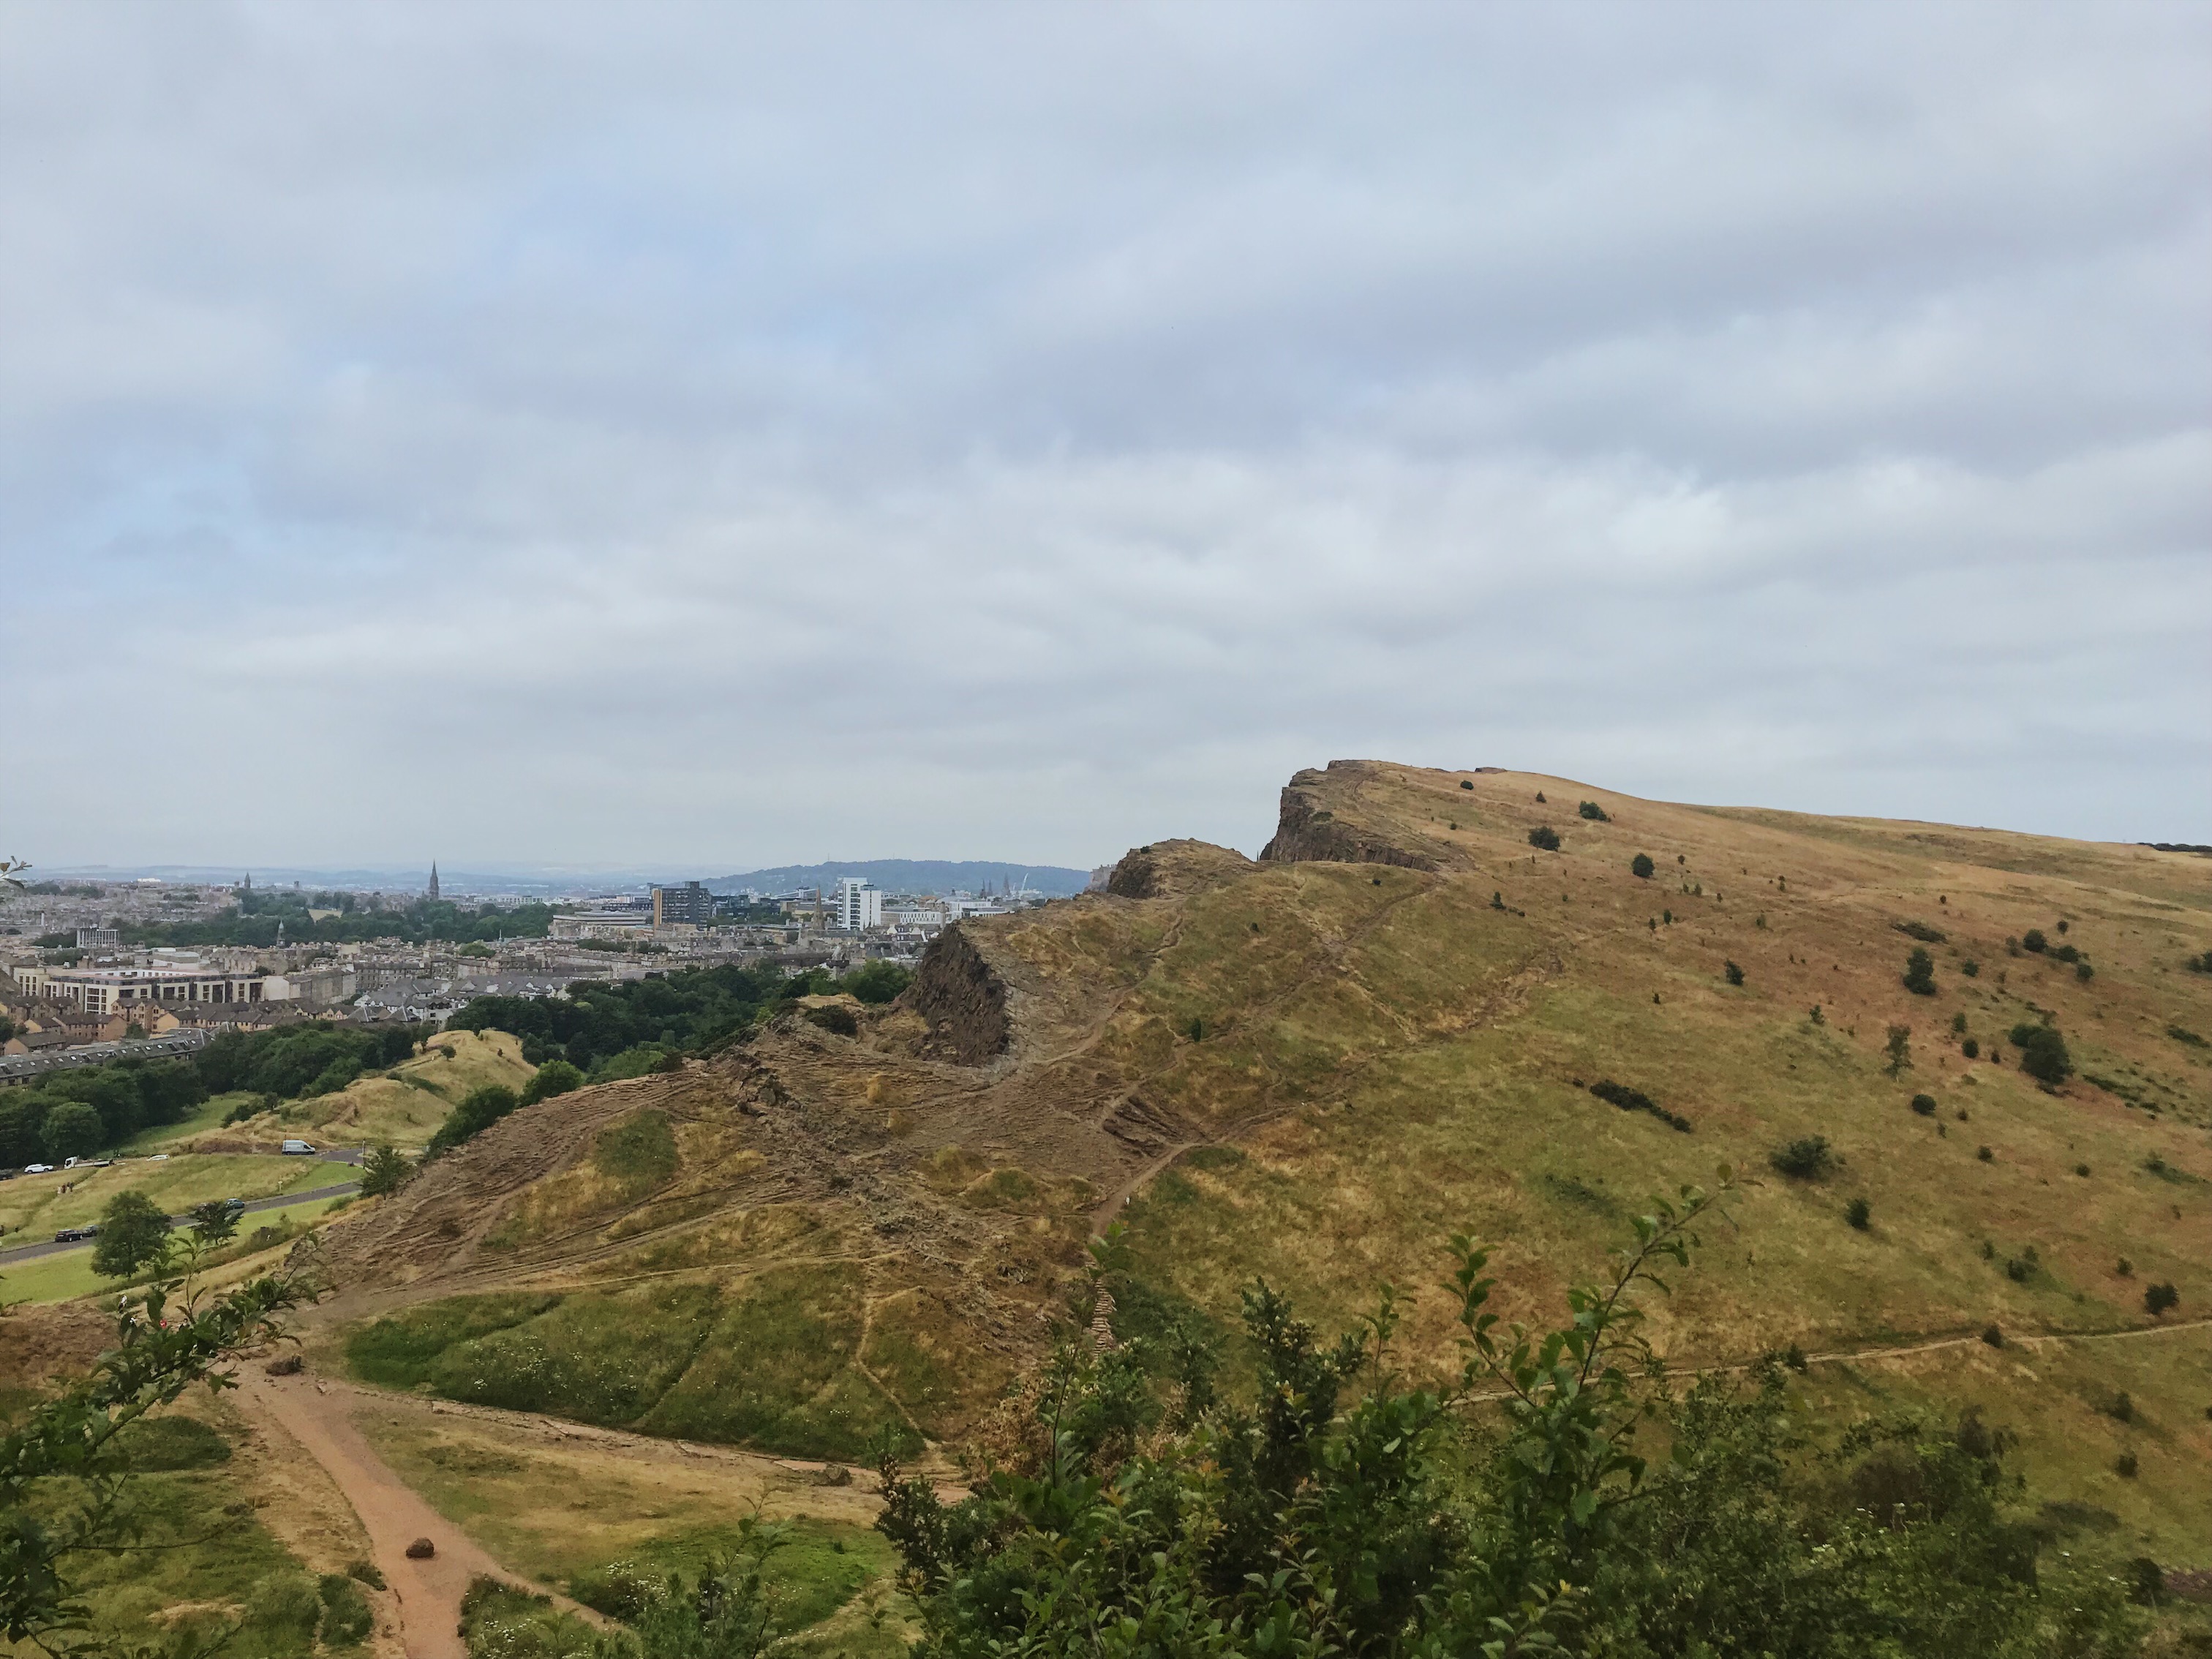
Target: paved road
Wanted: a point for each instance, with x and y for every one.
(33, 1252)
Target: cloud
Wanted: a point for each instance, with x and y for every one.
(715, 437)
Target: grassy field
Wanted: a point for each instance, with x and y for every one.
(404, 1106)
(69, 1274)
(766, 1359)
(34, 1205)
(204, 1560)
(587, 1518)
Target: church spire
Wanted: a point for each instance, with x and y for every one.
(434, 879)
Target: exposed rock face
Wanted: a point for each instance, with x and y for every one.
(1307, 827)
(962, 997)
(1171, 869)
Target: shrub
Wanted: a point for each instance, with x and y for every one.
(2082, 1169)
(2084, 972)
(2160, 1299)
(2043, 1053)
(835, 1017)
(1958, 1023)
(876, 982)
(1807, 1158)
(384, 1171)
(2182, 1034)
(2124, 1267)
(1971, 968)
(1735, 974)
(2019, 1269)
(1993, 1336)
(1921, 930)
(1924, 1104)
(2125, 1466)
(1594, 812)
(1641, 865)
(478, 1111)
(2146, 1581)
(1859, 1213)
(1541, 801)
(368, 1572)
(1544, 838)
(2032, 940)
(1635, 1100)
(1465, 783)
(1920, 973)
(555, 1077)
(1897, 1045)
(1971, 1049)
(2120, 1408)
(2198, 964)
(1985, 1154)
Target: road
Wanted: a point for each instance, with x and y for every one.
(33, 1252)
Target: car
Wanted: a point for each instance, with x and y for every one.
(297, 1149)
(75, 1235)
(38, 1169)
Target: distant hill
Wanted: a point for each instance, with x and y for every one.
(911, 876)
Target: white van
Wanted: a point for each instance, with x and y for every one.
(297, 1149)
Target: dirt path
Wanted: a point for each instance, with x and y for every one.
(428, 1592)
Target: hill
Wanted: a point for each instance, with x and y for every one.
(939, 876)
(1403, 1020)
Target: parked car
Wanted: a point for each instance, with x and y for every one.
(75, 1235)
(297, 1149)
(38, 1169)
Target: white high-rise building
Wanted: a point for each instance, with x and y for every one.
(860, 904)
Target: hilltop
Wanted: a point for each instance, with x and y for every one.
(1403, 1020)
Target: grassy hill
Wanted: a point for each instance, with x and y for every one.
(1316, 1066)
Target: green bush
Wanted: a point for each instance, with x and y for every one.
(1920, 973)
(2043, 1053)
(555, 1077)
(478, 1111)
(876, 982)
(1971, 968)
(2033, 941)
(835, 1017)
(384, 1171)
(1735, 974)
(2160, 1299)
(1807, 1158)
(1921, 930)
(1544, 838)
(1924, 1105)
(1635, 1100)
(1641, 865)
(1859, 1213)
(2084, 972)
(1971, 1049)
(134, 1233)
(1594, 812)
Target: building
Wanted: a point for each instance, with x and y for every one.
(101, 991)
(98, 938)
(433, 894)
(860, 904)
(689, 906)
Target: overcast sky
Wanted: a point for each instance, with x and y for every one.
(710, 437)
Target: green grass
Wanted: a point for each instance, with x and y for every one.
(206, 1117)
(818, 1567)
(64, 1277)
(401, 1350)
(769, 1362)
(33, 1203)
(199, 1542)
(639, 1151)
(499, 1621)
(598, 1358)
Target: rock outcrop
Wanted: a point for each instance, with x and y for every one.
(1308, 826)
(962, 1000)
(1174, 869)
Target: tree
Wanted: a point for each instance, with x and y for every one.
(215, 1222)
(1899, 1046)
(2034, 940)
(555, 1077)
(384, 1171)
(2158, 1299)
(2043, 1053)
(1594, 812)
(73, 1129)
(1735, 974)
(1920, 973)
(134, 1234)
(1859, 1213)
(876, 982)
(1544, 838)
(1641, 866)
(1807, 1158)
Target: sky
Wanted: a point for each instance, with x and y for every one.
(711, 436)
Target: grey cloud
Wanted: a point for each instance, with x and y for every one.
(716, 435)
